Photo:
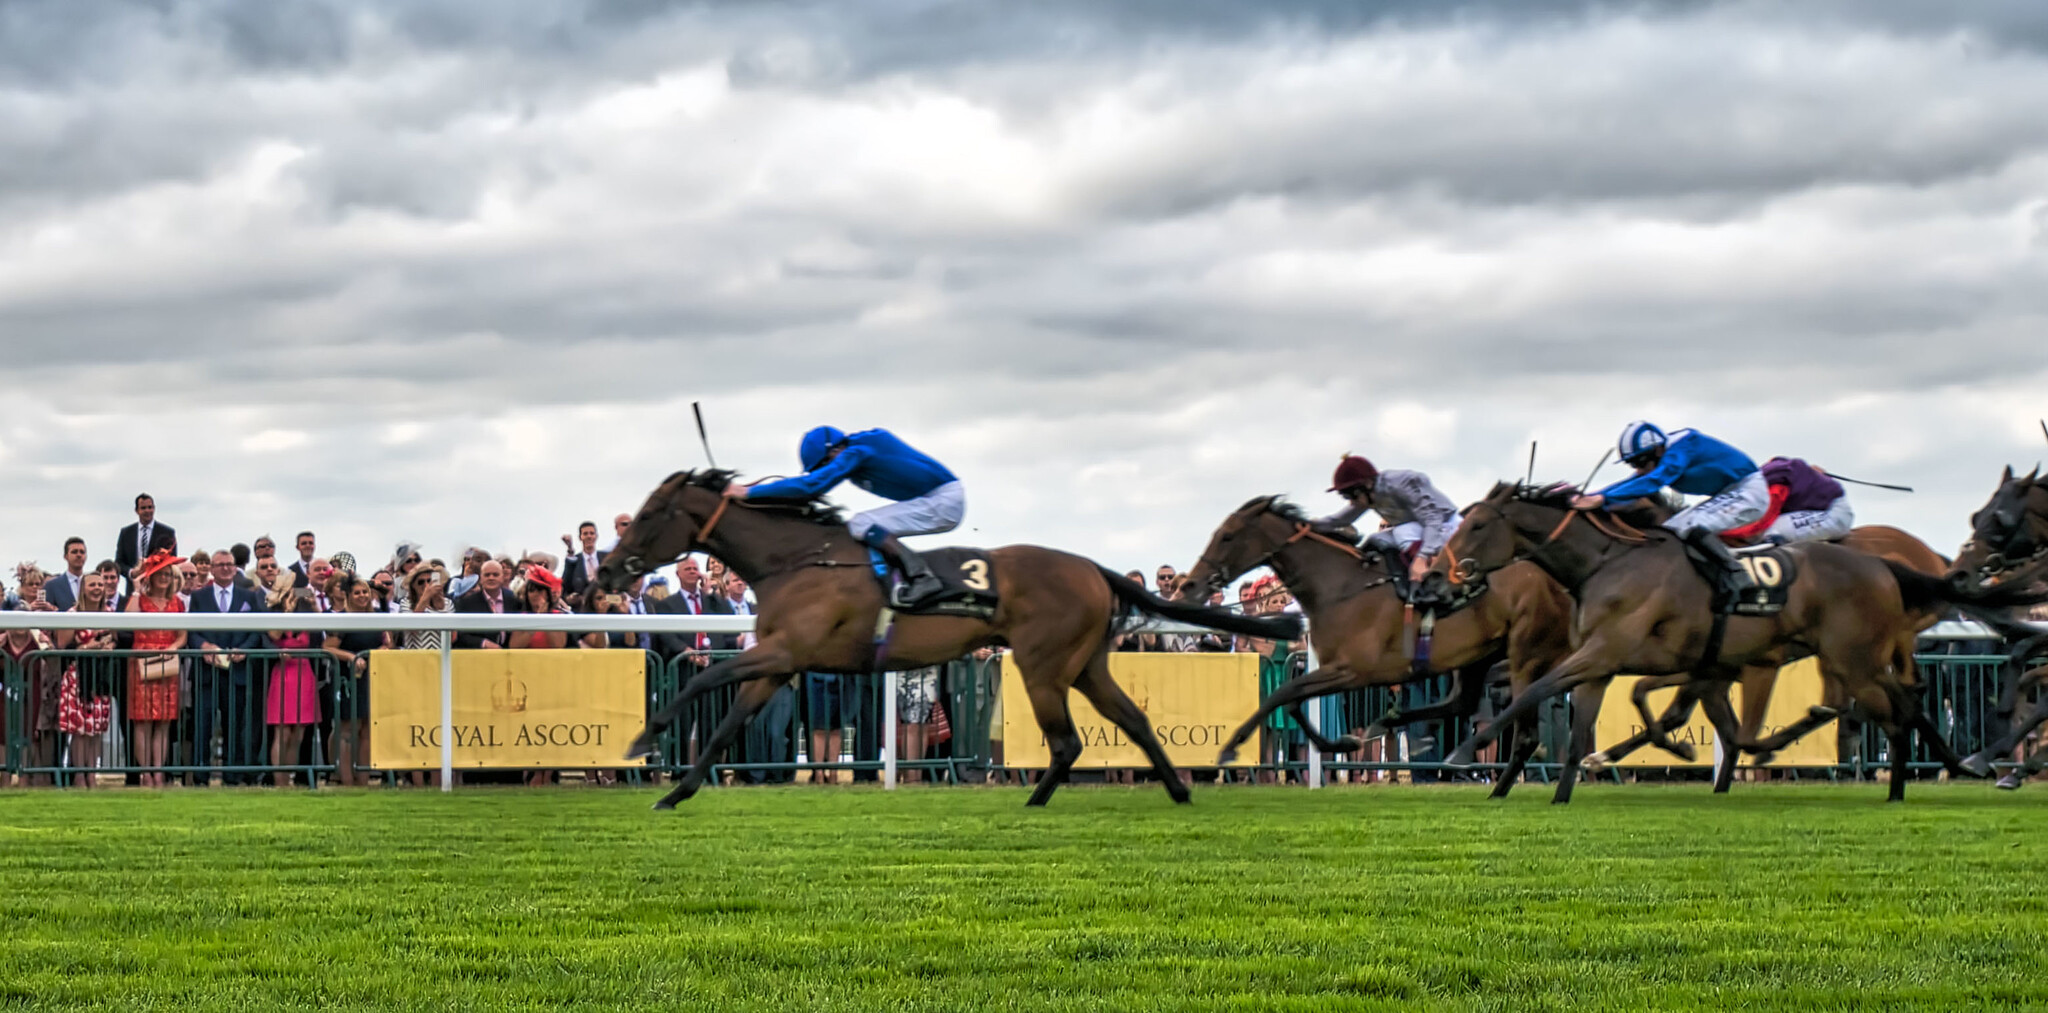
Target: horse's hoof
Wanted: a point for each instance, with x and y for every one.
(642, 747)
(664, 806)
(1461, 759)
(1226, 757)
(1819, 713)
(1348, 744)
(1977, 764)
(1684, 751)
(2010, 782)
(1183, 799)
(1764, 759)
(1595, 763)
(1375, 730)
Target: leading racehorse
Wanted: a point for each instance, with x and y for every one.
(819, 606)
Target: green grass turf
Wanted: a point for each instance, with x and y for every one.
(812, 898)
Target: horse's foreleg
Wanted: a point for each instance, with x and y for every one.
(1322, 681)
(1655, 727)
(1590, 661)
(1049, 706)
(1468, 686)
(750, 698)
(1524, 738)
(769, 657)
(1586, 698)
(2017, 726)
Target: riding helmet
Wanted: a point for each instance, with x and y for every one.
(816, 444)
(1640, 438)
(1352, 472)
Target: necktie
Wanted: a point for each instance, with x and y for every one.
(589, 566)
(142, 542)
(223, 595)
(697, 609)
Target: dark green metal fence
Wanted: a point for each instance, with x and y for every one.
(227, 727)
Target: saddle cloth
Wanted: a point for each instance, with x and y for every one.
(969, 576)
(1759, 590)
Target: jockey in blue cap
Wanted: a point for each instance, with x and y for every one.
(1695, 464)
(929, 499)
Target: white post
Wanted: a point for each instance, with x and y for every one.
(447, 713)
(1308, 713)
(889, 685)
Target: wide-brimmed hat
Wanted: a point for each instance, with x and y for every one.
(157, 560)
(343, 562)
(545, 578)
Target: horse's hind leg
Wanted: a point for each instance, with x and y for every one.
(1727, 731)
(751, 697)
(1656, 729)
(1111, 702)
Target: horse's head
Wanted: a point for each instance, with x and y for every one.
(1507, 526)
(1253, 534)
(666, 527)
(2010, 531)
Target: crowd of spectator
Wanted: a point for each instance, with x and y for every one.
(296, 702)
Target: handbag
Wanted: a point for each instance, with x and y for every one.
(158, 666)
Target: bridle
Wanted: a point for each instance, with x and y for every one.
(1302, 530)
(701, 538)
(1616, 530)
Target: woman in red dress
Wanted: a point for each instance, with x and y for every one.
(153, 702)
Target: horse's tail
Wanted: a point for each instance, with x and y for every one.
(1130, 592)
(1989, 605)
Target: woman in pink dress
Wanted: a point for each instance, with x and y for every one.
(84, 708)
(294, 700)
(153, 702)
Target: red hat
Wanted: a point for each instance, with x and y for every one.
(1353, 471)
(544, 577)
(157, 560)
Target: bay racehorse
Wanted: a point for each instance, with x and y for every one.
(1643, 608)
(819, 604)
(2008, 546)
(1360, 628)
(1759, 678)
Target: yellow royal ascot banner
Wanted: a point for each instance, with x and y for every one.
(512, 708)
(1798, 688)
(1192, 701)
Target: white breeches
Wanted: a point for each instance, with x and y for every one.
(1739, 504)
(1814, 525)
(938, 510)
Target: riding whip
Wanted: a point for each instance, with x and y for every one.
(697, 410)
(2044, 428)
(1873, 485)
(1531, 479)
(1604, 455)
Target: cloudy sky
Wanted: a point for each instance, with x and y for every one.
(454, 271)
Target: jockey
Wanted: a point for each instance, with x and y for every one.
(928, 498)
(1806, 506)
(1695, 464)
(1420, 518)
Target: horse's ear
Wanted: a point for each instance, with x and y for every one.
(2007, 477)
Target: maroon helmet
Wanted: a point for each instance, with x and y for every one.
(1352, 472)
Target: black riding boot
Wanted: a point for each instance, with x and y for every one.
(1711, 545)
(918, 581)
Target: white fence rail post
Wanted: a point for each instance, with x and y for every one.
(447, 713)
(890, 683)
(1314, 724)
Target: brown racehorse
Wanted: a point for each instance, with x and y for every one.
(819, 606)
(2009, 545)
(1356, 625)
(1643, 608)
(1758, 679)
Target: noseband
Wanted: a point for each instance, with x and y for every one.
(1616, 529)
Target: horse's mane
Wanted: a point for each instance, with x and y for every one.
(1279, 507)
(813, 509)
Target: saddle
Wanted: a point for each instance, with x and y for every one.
(1759, 589)
(969, 579)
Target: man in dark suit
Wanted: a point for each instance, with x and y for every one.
(489, 595)
(692, 599)
(138, 540)
(580, 569)
(61, 590)
(303, 566)
(224, 693)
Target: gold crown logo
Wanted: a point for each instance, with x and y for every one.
(509, 698)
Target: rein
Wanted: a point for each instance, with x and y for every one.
(1614, 528)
